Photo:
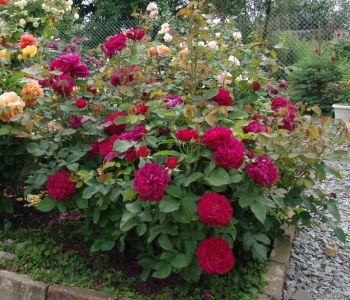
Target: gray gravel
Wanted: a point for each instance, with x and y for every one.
(312, 274)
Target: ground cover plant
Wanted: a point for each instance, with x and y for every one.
(179, 147)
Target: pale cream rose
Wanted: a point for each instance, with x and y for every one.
(234, 60)
(223, 78)
(184, 53)
(237, 35)
(163, 50)
(168, 37)
(213, 45)
(33, 89)
(152, 6)
(11, 104)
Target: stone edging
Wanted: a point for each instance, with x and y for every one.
(20, 287)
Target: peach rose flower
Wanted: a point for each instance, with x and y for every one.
(152, 51)
(163, 50)
(32, 89)
(10, 105)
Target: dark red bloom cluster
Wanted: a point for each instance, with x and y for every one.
(140, 109)
(223, 97)
(151, 181)
(75, 121)
(227, 150)
(273, 91)
(186, 135)
(113, 128)
(134, 135)
(286, 109)
(214, 209)
(124, 76)
(215, 256)
(70, 64)
(130, 155)
(62, 84)
(135, 34)
(114, 44)
(255, 126)
(59, 186)
(263, 171)
(106, 146)
(143, 151)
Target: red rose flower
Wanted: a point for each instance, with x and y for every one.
(114, 44)
(273, 91)
(63, 84)
(230, 154)
(186, 135)
(251, 154)
(27, 40)
(134, 135)
(124, 76)
(95, 149)
(106, 146)
(255, 126)
(151, 181)
(91, 90)
(255, 117)
(171, 162)
(316, 50)
(80, 103)
(140, 109)
(59, 186)
(214, 209)
(263, 171)
(333, 58)
(135, 34)
(143, 151)
(113, 128)
(215, 256)
(256, 86)
(216, 136)
(130, 155)
(223, 97)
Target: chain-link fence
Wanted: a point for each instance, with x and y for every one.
(299, 33)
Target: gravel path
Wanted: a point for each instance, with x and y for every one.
(312, 274)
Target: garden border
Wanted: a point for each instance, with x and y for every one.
(20, 287)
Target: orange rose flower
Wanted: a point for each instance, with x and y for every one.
(152, 51)
(10, 105)
(3, 2)
(27, 40)
(163, 50)
(32, 89)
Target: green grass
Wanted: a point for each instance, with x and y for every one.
(59, 255)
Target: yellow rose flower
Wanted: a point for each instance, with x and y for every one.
(4, 54)
(28, 51)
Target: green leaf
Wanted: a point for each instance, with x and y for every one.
(89, 192)
(262, 238)
(193, 177)
(96, 246)
(128, 224)
(211, 93)
(259, 211)
(119, 120)
(34, 149)
(259, 251)
(122, 146)
(68, 131)
(96, 215)
(339, 233)
(168, 153)
(145, 216)
(191, 245)
(333, 209)
(47, 204)
(173, 191)
(218, 177)
(154, 231)
(141, 229)
(82, 203)
(62, 206)
(168, 204)
(164, 242)
(163, 270)
(133, 207)
(107, 245)
(182, 260)
(245, 200)
(129, 194)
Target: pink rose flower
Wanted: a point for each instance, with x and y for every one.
(230, 154)
(263, 171)
(59, 186)
(214, 209)
(216, 136)
(113, 128)
(114, 44)
(215, 256)
(151, 181)
(63, 84)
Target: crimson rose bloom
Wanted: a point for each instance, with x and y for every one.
(217, 136)
(80, 103)
(124, 76)
(171, 162)
(115, 43)
(95, 148)
(113, 128)
(256, 86)
(230, 154)
(140, 109)
(135, 34)
(134, 135)
(151, 181)
(63, 84)
(106, 146)
(130, 155)
(223, 97)
(59, 186)
(215, 256)
(186, 135)
(255, 127)
(263, 171)
(75, 122)
(172, 100)
(214, 209)
(143, 151)
(288, 119)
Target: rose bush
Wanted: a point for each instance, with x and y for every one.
(176, 150)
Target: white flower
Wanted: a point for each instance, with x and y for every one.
(70, 2)
(206, 28)
(223, 78)
(234, 60)
(164, 28)
(216, 21)
(182, 45)
(36, 24)
(213, 45)
(201, 43)
(167, 37)
(152, 7)
(237, 35)
(209, 21)
(241, 78)
(153, 14)
(218, 35)
(76, 16)
(227, 21)
(22, 22)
